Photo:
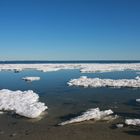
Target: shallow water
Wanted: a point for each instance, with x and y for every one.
(66, 102)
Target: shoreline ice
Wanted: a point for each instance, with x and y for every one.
(83, 81)
(84, 68)
(90, 114)
(31, 79)
(23, 103)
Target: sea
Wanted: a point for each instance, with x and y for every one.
(65, 102)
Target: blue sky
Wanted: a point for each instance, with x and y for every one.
(69, 29)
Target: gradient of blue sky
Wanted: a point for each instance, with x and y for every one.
(69, 29)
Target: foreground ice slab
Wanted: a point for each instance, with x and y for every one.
(31, 78)
(85, 68)
(24, 103)
(96, 82)
(94, 114)
(135, 122)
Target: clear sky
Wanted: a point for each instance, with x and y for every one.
(69, 29)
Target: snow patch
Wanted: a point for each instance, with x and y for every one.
(94, 114)
(97, 82)
(24, 103)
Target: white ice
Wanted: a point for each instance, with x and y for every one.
(94, 114)
(135, 122)
(31, 78)
(138, 100)
(119, 125)
(24, 103)
(84, 68)
(97, 82)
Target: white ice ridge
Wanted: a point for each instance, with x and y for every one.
(90, 114)
(31, 78)
(85, 68)
(135, 122)
(24, 103)
(97, 82)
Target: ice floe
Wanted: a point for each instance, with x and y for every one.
(97, 82)
(138, 100)
(90, 114)
(31, 78)
(137, 78)
(24, 103)
(1, 112)
(135, 122)
(120, 125)
(84, 68)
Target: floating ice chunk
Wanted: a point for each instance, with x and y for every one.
(94, 114)
(24, 103)
(119, 125)
(138, 100)
(1, 112)
(96, 82)
(31, 78)
(137, 78)
(135, 122)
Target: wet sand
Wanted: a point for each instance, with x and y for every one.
(23, 129)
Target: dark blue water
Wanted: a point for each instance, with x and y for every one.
(70, 61)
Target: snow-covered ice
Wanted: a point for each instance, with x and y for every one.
(24, 103)
(94, 114)
(109, 67)
(135, 122)
(97, 82)
(31, 78)
(84, 68)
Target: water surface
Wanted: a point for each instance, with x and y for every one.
(65, 102)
